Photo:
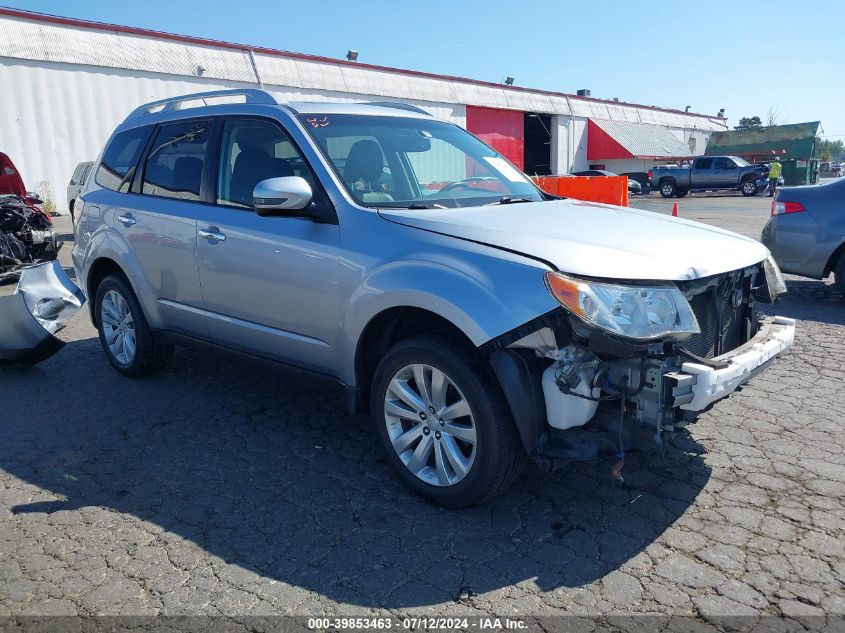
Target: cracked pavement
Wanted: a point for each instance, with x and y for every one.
(224, 488)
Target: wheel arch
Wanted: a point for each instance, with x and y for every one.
(99, 269)
(834, 257)
(387, 328)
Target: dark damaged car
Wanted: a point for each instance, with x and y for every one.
(478, 319)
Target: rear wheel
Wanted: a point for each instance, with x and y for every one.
(748, 188)
(839, 275)
(681, 194)
(443, 422)
(125, 336)
(668, 189)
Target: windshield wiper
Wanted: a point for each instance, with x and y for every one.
(510, 200)
(414, 206)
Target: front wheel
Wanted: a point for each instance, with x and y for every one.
(443, 423)
(125, 336)
(748, 188)
(668, 189)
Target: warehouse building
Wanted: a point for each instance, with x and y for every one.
(67, 83)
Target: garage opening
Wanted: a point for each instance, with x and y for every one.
(538, 144)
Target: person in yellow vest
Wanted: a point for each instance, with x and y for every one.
(774, 173)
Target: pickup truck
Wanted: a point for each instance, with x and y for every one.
(709, 173)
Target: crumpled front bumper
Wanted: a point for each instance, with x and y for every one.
(697, 386)
(44, 300)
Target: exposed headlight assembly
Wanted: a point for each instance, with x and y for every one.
(643, 313)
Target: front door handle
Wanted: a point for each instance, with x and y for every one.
(212, 233)
(126, 219)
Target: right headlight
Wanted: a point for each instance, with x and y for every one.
(643, 313)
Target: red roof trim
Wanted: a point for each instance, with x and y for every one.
(55, 19)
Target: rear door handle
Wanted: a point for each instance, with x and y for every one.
(212, 233)
(126, 219)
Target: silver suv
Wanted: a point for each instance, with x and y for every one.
(479, 319)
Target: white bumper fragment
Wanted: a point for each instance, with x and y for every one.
(698, 386)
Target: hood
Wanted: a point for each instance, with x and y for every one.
(595, 240)
(10, 179)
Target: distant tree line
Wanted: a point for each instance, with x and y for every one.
(828, 150)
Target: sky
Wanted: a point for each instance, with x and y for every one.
(750, 59)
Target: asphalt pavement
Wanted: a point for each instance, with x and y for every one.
(218, 488)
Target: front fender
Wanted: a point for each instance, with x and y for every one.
(482, 299)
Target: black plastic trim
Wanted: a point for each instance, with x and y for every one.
(520, 377)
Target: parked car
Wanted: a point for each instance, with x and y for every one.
(709, 173)
(77, 183)
(477, 321)
(641, 177)
(806, 231)
(633, 185)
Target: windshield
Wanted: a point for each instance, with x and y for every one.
(740, 161)
(388, 161)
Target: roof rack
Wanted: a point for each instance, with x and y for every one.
(250, 95)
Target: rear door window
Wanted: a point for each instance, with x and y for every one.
(121, 159)
(174, 166)
(76, 179)
(704, 163)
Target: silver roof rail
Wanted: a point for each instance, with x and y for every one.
(399, 105)
(250, 95)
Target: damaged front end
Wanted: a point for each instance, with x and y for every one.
(617, 367)
(26, 236)
(44, 300)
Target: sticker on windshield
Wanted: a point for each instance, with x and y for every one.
(318, 121)
(505, 168)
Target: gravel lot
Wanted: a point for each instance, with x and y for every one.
(220, 488)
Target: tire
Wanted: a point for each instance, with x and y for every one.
(668, 189)
(681, 194)
(839, 275)
(748, 188)
(119, 314)
(488, 464)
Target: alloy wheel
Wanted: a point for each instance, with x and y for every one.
(118, 327)
(430, 424)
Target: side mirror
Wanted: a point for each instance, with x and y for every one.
(282, 196)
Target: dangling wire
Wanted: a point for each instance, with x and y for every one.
(616, 471)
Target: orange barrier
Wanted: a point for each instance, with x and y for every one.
(607, 189)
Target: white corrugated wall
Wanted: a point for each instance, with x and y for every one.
(58, 115)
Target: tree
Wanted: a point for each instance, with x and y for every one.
(828, 150)
(748, 122)
(774, 115)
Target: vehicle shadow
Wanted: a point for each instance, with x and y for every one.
(276, 478)
(810, 300)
